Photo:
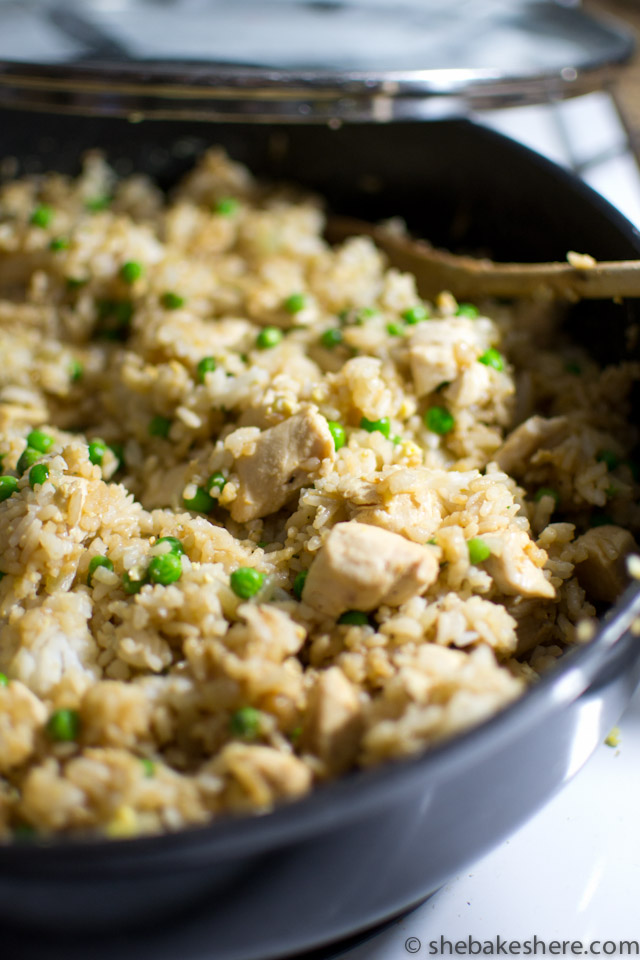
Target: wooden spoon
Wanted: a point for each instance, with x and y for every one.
(467, 277)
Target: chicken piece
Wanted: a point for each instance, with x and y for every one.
(436, 348)
(52, 641)
(258, 776)
(602, 573)
(431, 365)
(404, 514)
(334, 722)
(22, 716)
(116, 714)
(267, 633)
(280, 462)
(360, 566)
(534, 434)
(401, 505)
(513, 571)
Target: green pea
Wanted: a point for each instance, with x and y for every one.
(439, 420)
(201, 502)
(94, 563)
(130, 585)
(331, 338)
(172, 301)
(478, 550)
(295, 303)
(28, 457)
(357, 317)
(383, 426)
(121, 310)
(467, 310)
(38, 475)
(114, 319)
(42, 216)
(338, 433)
(74, 283)
(354, 618)
(97, 450)
(547, 492)
(40, 441)
(415, 314)
(131, 271)
(216, 484)
(159, 426)
(299, 582)
(492, 358)
(64, 726)
(611, 459)
(226, 206)
(245, 723)
(4, 680)
(148, 766)
(364, 314)
(395, 330)
(246, 582)
(600, 519)
(174, 544)
(58, 244)
(269, 337)
(166, 568)
(98, 203)
(76, 371)
(205, 366)
(8, 485)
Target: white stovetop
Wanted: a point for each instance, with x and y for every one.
(573, 871)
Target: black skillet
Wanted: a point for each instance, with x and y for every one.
(364, 848)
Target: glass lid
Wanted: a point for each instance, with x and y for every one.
(299, 60)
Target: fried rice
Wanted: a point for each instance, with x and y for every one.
(385, 517)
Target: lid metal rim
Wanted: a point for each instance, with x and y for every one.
(373, 101)
(112, 84)
(183, 79)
